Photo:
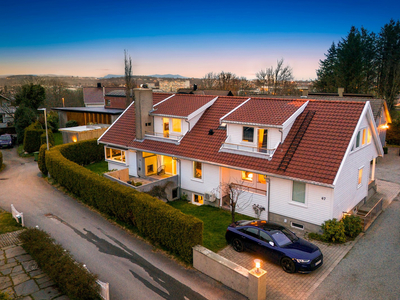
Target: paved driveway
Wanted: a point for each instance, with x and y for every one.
(134, 269)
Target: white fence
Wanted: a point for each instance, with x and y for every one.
(18, 216)
(104, 287)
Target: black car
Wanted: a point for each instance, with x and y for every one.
(275, 243)
(6, 141)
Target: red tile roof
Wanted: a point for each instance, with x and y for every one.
(181, 105)
(316, 159)
(259, 111)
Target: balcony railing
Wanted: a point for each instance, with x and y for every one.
(164, 135)
(247, 148)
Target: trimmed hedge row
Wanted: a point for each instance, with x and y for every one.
(71, 277)
(159, 222)
(35, 136)
(42, 159)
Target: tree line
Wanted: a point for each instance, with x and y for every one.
(364, 62)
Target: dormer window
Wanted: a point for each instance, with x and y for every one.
(248, 134)
(177, 125)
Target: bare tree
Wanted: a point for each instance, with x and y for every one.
(208, 81)
(276, 81)
(234, 191)
(128, 77)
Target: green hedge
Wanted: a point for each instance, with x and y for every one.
(35, 136)
(70, 277)
(42, 159)
(154, 219)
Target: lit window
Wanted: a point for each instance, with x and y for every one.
(358, 139)
(166, 127)
(197, 199)
(197, 171)
(364, 136)
(247, 176)
(176, 125)
(369, 136)
(115, 154)
(360, 173)
(299, 192)
(248, 134)
(261, 178)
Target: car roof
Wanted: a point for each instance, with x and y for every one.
(268, 226)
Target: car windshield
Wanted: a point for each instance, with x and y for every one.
(284, 237)
(5, 138)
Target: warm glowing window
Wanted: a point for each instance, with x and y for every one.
(197, 170)
(299, 192)
(262, 140)
(358, 139)
(176, 125)
(197, 199)
(248, 134)
(115, 154)
(166, 127)
(261, 178)
(369, 136)
(247, 176)
(364, 136)
(360, 173)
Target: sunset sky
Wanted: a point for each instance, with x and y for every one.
(88, 38)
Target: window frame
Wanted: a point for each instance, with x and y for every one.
(199, 196)
(243, 134)
(360, 178)
(109, 157)
(292, 201)
(246, 176)
(194, 177)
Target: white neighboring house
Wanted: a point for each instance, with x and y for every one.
(7, 111)
(303, 161)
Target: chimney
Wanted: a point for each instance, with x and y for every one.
(99, 84)
(340, 91)
(304, 92)
(194, 87)
(143, 105)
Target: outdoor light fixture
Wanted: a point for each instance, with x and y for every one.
(45, 123)
(258, 264)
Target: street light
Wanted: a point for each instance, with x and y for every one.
(45, 123)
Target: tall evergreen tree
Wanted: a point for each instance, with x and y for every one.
(326, 81)
(389, 62)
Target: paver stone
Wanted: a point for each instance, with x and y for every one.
(26, 288)
(16, 251)
(17, 279)
(46, 294)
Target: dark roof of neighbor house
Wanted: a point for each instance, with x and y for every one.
(258, 111)
(317, 157)
(180, 105)
(205, 92)
(100, 110)
(94, 95)
(116, 93)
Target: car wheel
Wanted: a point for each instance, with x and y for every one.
(237, 245)
(288, 265)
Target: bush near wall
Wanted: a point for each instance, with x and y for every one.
(159, 222)
(70, 277)
(42, 159)
(35, 136)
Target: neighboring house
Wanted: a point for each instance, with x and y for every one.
(94, 96)
(303, 161)
(7, 112)
(87, 115)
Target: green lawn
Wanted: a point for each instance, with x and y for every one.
(7, 223)
(99, 167)
(58, 140)
(215, 221)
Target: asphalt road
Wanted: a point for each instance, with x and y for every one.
(371, 269)
(132, 267)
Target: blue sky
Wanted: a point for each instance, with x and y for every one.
(88, 38)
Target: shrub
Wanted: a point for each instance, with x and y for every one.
(42, 159)
(32, 137)
(4, 296)
(70, 277)
(154, 219)
(71, 123)
(333, 231)
(53, 121)
(352, 225)
(51, 138)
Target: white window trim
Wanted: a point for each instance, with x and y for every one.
(196, 203)
(123, 163)
(358, 177)
(361, 146)
(296, 203)
(254, 135)
(202, 172)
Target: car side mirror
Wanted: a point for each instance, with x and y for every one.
(272, 244)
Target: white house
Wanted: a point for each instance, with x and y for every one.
(303, 161)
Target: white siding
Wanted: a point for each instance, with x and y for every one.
(347, 194)
(158, 124)
(286, 130)
(316, 210)
(235, 132)
(274, 137)
(210, 178)
(194, 120)
(245, 205)
(131, 155)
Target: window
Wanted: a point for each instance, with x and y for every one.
(248, 134)
(262, 140)
(265, 237)
(296, 225)
(197, 199)
(364, 136)
(197, 170)
(115, 154)
(252, 232)
(368, 136)
(166, 127)
(358, 139)
(299, 192)
(176, 125)
(261, 179)
(247, 176)
(360, 173)
(108, 102)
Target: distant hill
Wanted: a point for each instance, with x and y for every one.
(167, 76)
(111, 76)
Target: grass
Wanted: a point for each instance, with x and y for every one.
(8, 223)
(58, 140)
(21, 151)
(98, 167)
(215, 220)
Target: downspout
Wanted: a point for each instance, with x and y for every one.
(268, 196)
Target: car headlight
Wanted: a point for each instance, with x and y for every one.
(302, 261)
